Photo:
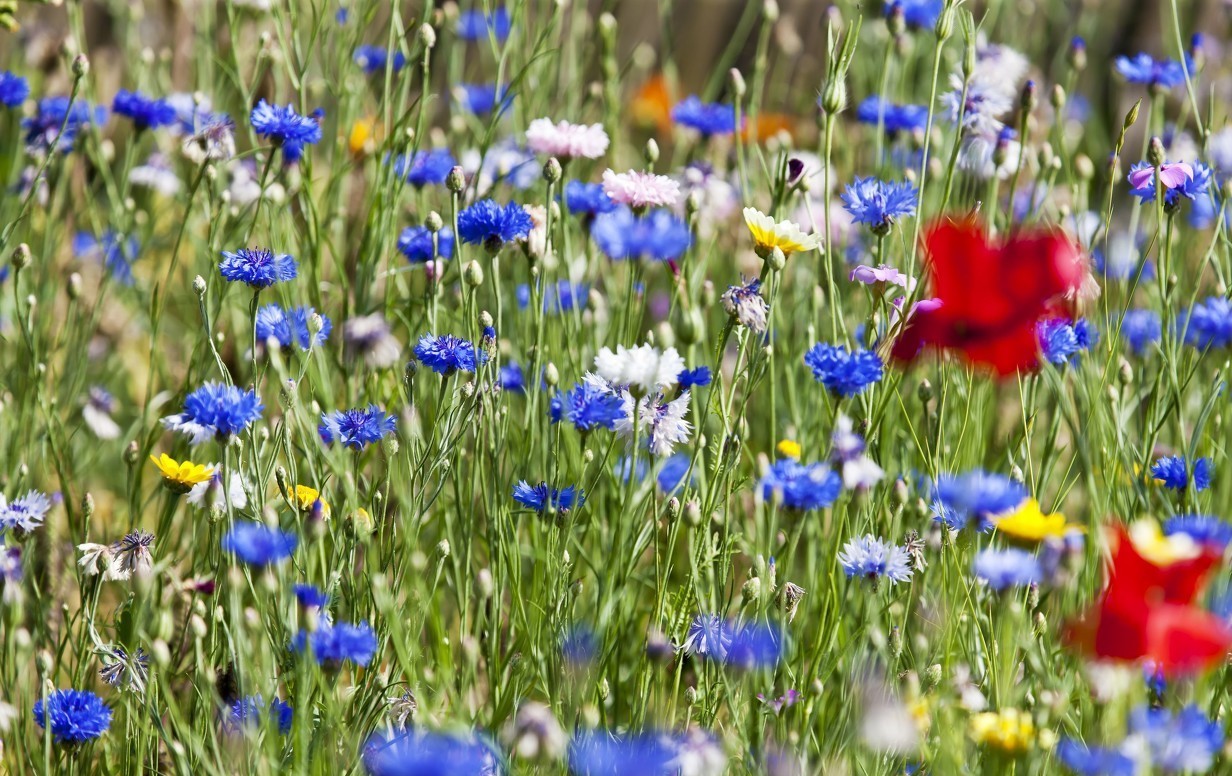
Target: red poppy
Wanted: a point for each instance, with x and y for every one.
(991, 294)
(1147, 613)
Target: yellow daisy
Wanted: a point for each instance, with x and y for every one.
(789, 448)
(306, 497)
(1028, 523)
(181, 477)
(1010, 730)
(362, 137)
(769, 234)
(1161, 550)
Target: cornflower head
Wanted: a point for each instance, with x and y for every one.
(73, 716)
(374, 59)
(248, 712)
(542, 498)
(746, 304)
(290, 328)
(129, 672)
(132, 554)
(181, 477)
(1141, 328)
(708, 119)
(475, 25)
(215, 411)
(1003, 569)
(286, 129)
(97, 411)
(425, 167)
(560, 297)
(1206, 530)
(492, 225)
(1095, 760)
(212, 139)
(565, 140)
(918, 14)
(873, 559)
(447, 354)
(1062, 340)
(258, 544)
(587, 199)
(56, 123)
(587, 406)
(145, 112)
(413, 751)
(1186, 741)
(640, 190)
(894, 119)
(116, 252)
(1207, 324)
(769, 234)
(843, 373)
(415, 243)
(1159, 74)
(257, 267)
(801, 487)
(879, 204)
(881, 275)
(975, 496)
(659, 422)
(13, 89)
(333, 645)
(1179, 180)
(218, 489)
(356, 428)
(1009, 730)
(643, 368)
(659, 235)
(25, 513)
(1174, 472)
(480, 99)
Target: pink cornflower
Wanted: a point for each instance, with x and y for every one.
(641, 189)
(880, 274)
(1171, 175)
(566, 141)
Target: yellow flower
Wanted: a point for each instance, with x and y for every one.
(181, 477)
(769, 234)
(1028, 523)
(1161, 550)
(1010, 730)
(307, 497)
(362, 131)
(789, 448)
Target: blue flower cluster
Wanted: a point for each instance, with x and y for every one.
(258, 544)
(542, 497)
(286, 128)
(1208, 530)
(475, 25)
(709, 119)
(1208, 324)
(249, 711)
(425, 167)
(446, 354)
(842, 372)
(145, 112)
(1061, 341)
(289, 328)
(873, 559)
(801, 486)
(73, 715)
(587, 407)
(879, 204)
(257, 267)
(658, 234)
(587, 199)
(356, 428)
(216, 411)
(58, 120)
(893, 118)
(975, 496)
(1003, 569)
(1141, 328)
(1173, 472)
(339, 643)
(415, 243)
(13, 90)
(1144, 69)
(374, 59)
(493, 225)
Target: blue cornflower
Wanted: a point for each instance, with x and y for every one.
(708, 636)
(541, 497)
(248, 711)
(707, 118)
(257, 544)
(13, 90)
(512, 377)
(587, 406)
(1007, 568)
(1203, 529)
(493, 225)
(216, 411)
(1191, 187)
(475, 24)
(25, 513)
(843, 373)
(753, 645)
(694, 377)
(1173, 472)
(587, 199)
(1123, 260)
(1095, 761)
(336, 644)
(893, 118)
(290, 327)
(600, 753)
(1207, 324)
(658, 234)
(145, 112)
(310, 596)
(73, 715)
(561, 297)
(975, 495)
(919, 14)
(425, 168)
(1143, 69)
(1185, 742)
(671, 475)
(446, 354)
(1086, 334)
(116, 252)
(43, 129)
(880, 204)
(1061, 341)
(356, 428)
(286, 128)
(415, 243)
(871, 558)
(480, 99)
(802, 486)
(579, 645)
(258, 267)
(374, 59)
(417, 752)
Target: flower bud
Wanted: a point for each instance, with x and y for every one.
(81, 66)
(1155, 152)
(737, 81)
(651, 153)
(74, 285)
(1077, 53)
(551, 170)
(427, 36)
(21, 257)
(434, 222)
(473, 274)
(455, 181)
(1084, 168)
(199, 285)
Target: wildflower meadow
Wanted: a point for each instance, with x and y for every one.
(615, 388)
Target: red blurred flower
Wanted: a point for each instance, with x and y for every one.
(1147, 612)
(991, 294)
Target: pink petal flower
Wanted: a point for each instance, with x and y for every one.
(1140, 178)
(1174, 175)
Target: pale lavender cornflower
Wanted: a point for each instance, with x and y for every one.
(368, 337)
(565, 140)
(660, 423)
(882, 273)
(871, 558)
(746, 304)
(708, 636)
(640, 190)
(156, 174)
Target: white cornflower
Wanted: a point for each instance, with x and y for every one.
(565, 140)
(212, 489)
(641, 367)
